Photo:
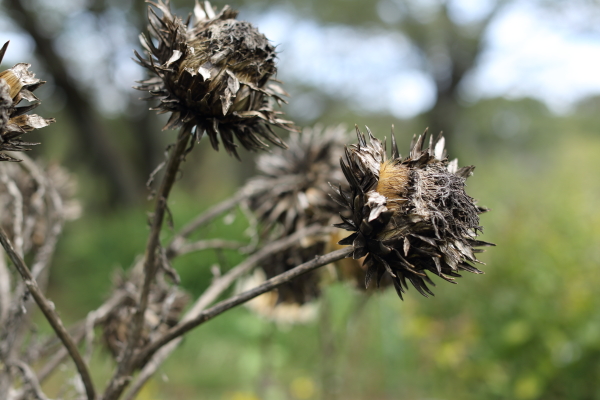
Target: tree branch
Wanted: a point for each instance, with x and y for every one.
(48, 309)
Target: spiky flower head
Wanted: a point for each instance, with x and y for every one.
(16, 84)
(409, 215)
(297, 196)
(215, 74)
(298, 180)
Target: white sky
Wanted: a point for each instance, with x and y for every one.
(528, 57)
(525, 57)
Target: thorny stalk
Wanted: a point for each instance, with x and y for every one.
(125, 367)
(48, 309)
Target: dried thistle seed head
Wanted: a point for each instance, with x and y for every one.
(296, 195)
(33, 199)
(165, 305)
(214, 74)
(298, 180)
(409, 215)
(16, 84)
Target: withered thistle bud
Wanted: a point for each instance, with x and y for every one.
(165, 306)
(298, 196)
(298, 180)
(409, 215)
(214, 74)
(16, 84)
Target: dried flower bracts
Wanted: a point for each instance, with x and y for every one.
(298, 180)
(16, 84)
(409, 215)
(213, 74)
(298, 196)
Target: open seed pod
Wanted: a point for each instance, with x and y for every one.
(213, 73)
(17, 84)
(409, 216)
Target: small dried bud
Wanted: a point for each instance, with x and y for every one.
(298, 196)
(165, 305)
(16, 84)
(409, 215)
(213, 74)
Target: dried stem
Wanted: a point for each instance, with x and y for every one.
(80, 332)
(210, 244)
(31, 380)
(48, 309)
(249, 190)
(125, 367)
(58, 358)
(241, 298)
(217, 287)
(203, 219)
(4, 289)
